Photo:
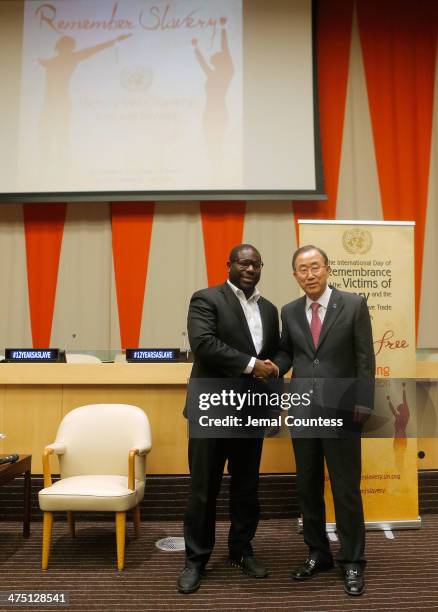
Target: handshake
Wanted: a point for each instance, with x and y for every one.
(265, 369)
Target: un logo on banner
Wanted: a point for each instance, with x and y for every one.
(357, 241)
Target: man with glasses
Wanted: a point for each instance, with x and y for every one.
(327, 334)
(233, 331)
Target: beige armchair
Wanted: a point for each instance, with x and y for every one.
(102, 456)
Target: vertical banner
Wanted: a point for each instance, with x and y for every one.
(131, 224)
(43, 230)
(376, 260)
(222, 228)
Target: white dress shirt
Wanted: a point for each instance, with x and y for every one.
(251, 311)
(323, 301)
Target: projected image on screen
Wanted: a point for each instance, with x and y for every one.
(171, 96)
(117, 95)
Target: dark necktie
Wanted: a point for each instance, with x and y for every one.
(315, 323)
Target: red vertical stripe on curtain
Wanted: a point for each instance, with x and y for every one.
(222, 227)
(131, 236)
(399, 40)
(43, 230)
(333, 39)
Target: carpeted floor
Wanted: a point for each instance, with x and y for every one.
(402, 574)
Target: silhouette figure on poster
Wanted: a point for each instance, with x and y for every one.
(55, 116)
(401, 415)
(219, 73)
(401, 418)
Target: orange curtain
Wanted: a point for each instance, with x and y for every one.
(222, 227)
(399, 39)
(333, 36)
(43, 230)
(131, 235)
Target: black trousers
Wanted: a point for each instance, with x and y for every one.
(207, 459)
(343, 458)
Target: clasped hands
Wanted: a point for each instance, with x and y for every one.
(361, 414)
(264, 369)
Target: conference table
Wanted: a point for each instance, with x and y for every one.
(34, 397)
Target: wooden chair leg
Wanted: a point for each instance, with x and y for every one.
(47, 538)
(136, 518)
(71, 523)
(120, 538)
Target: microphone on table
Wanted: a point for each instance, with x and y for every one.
(69, 342)
(9, 459)
(186, 346)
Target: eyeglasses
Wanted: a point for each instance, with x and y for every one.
(315, 269)
(246, 263)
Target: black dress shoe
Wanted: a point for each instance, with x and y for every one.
(354, 582)
(311, 567)
(249, 565)
(189, 580)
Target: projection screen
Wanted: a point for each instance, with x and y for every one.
(158, 99)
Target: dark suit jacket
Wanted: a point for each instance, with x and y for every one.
(219, 334)
(345, 348)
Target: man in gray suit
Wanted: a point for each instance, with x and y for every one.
(327, 334)
(233, 331)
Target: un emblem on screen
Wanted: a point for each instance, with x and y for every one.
(357, 241)
(138, 78)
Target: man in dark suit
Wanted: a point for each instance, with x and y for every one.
(327, 334)
(233, 332)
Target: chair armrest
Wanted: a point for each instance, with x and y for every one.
(131, 468)
(56, 448)
(141, 449)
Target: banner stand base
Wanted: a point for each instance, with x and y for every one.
(374, 525)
